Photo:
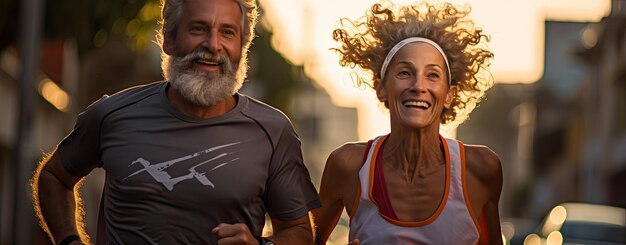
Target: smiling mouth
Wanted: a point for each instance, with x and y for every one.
(208, 62)
(416, 104)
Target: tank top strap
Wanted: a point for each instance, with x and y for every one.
(458, 188)
(456, 170)
(454, 151)
(366, 173)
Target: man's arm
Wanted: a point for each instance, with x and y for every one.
(297, 231)
(55, 199)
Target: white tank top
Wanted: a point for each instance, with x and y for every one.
(452, 223)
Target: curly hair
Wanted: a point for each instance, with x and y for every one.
(366, 42)
(172, 9)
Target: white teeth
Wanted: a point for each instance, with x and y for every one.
(207, 62)
(421, 104)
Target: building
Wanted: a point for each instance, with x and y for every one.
(603, 105)
(562, 138)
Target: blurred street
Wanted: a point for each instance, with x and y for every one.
(561, 138)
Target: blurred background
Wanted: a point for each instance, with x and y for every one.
(556, 115)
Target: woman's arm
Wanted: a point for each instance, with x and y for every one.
(484, 186)
(492, 214)
(338, 188)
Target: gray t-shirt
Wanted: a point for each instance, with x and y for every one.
(171, 178)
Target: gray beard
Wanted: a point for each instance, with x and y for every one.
(203, 88)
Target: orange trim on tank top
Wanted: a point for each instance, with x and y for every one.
(373, 157)
(357, 197)
(442, 204)
(464, 181)
(355, 205)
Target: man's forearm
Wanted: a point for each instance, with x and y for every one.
(56, 206)
(297, 234)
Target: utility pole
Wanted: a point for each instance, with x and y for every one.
(31, 19)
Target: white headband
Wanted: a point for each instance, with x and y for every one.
(401, 44)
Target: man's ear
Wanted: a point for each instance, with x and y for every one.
(449, 97)
(168, 45)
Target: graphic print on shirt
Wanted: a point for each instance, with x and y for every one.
(157, 170)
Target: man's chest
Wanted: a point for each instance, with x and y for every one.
(213, 160)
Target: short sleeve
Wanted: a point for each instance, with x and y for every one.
(80, 150)
(290, 193)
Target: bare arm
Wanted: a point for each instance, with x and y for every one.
(55, 198)
(338, 188)
(492, 213)
(485, 184)
(296, 231)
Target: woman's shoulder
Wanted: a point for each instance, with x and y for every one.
(483, 162)
(347, 158)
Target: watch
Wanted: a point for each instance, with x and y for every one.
(264, 241)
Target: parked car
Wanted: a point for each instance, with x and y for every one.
(581, 223)
(515, 229)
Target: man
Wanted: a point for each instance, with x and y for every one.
(187, 161)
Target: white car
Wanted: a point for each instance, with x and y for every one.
(581, 223)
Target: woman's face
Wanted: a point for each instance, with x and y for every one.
(415, 87)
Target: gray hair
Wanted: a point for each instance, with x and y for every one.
(170, 16)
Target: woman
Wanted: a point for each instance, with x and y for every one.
(428, 65)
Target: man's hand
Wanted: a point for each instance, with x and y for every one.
(235, 234)
(354, 242)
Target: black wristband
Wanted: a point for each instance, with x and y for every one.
(67, 240)
(260, 239)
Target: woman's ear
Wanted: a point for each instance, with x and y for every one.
(380, 91)
(450, 97)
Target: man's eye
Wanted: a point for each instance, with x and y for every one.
(197, 29)
(229, 32)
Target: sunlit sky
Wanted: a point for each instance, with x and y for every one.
(302, 34)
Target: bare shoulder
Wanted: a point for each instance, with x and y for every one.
(348, 158)
(482, 162)
(341, 174)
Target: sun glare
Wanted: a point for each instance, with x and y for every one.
(302, 34)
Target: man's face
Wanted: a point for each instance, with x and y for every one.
(207, 51)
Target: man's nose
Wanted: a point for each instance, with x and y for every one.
(212, 42)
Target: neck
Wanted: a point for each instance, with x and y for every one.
(414, 151)
(193, 110)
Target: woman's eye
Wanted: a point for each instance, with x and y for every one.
(434, 75)
(404, 73)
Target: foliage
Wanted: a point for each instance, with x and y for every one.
(89, 22)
